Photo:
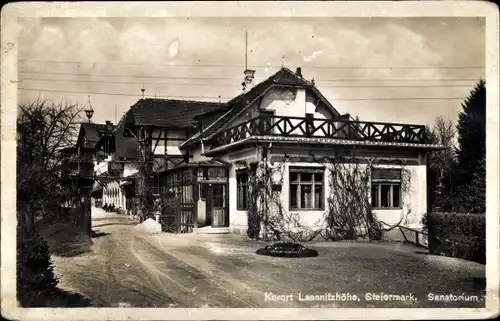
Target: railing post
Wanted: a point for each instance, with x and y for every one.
(260, 126)
(309, 124)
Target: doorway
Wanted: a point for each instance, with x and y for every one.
(217, 209)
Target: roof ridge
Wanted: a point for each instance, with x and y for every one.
(180, 100)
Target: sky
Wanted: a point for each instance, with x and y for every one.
(406, 70)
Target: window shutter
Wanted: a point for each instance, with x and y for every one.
(386, 174)
(307, 170)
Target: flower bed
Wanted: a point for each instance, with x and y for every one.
(287, 250)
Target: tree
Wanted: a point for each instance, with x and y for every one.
(477, 189)
(44, 128)
(148, 167)
(471, 151)
(440, 163)
(35, 270)
(432, 173)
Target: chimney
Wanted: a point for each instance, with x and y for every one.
(248, 79)
(298, 72)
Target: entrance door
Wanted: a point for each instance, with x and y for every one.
(217, 205)
(209, 205)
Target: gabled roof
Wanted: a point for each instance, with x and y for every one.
(168, 112)
(124, 147)
(94, 132)
(283, 77)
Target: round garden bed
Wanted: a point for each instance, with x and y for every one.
(287, 250)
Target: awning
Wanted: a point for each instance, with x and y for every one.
(215, 162)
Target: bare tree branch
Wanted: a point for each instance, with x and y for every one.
(44, 129)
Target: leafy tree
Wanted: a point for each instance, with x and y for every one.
(471, 151)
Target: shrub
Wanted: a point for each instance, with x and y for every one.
(35, 271)
(457, 235)
(375, 231)
(287, 250)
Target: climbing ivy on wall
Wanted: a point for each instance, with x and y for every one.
(348, 213)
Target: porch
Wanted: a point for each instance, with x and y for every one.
(195, 198)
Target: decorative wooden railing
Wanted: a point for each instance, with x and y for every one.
(309, 127)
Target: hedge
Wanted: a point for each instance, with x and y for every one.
(35, 271)
(457, 235)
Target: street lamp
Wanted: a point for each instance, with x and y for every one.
(89, 112)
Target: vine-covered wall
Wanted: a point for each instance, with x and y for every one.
(346, 197)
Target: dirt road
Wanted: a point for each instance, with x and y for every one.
(129, 268)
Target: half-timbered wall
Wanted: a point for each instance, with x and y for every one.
(167, 141)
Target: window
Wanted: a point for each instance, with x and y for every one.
(218, 195)
(242, 190)
(307, 188)
(155, 185)
(386, 188)
(203, 189)
(137, 186)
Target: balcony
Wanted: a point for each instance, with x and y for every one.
(319, 130)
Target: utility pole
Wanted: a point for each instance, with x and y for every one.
(246, 49)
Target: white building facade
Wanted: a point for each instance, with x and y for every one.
(204, 151)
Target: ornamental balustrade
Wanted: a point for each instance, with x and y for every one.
(308, 127)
